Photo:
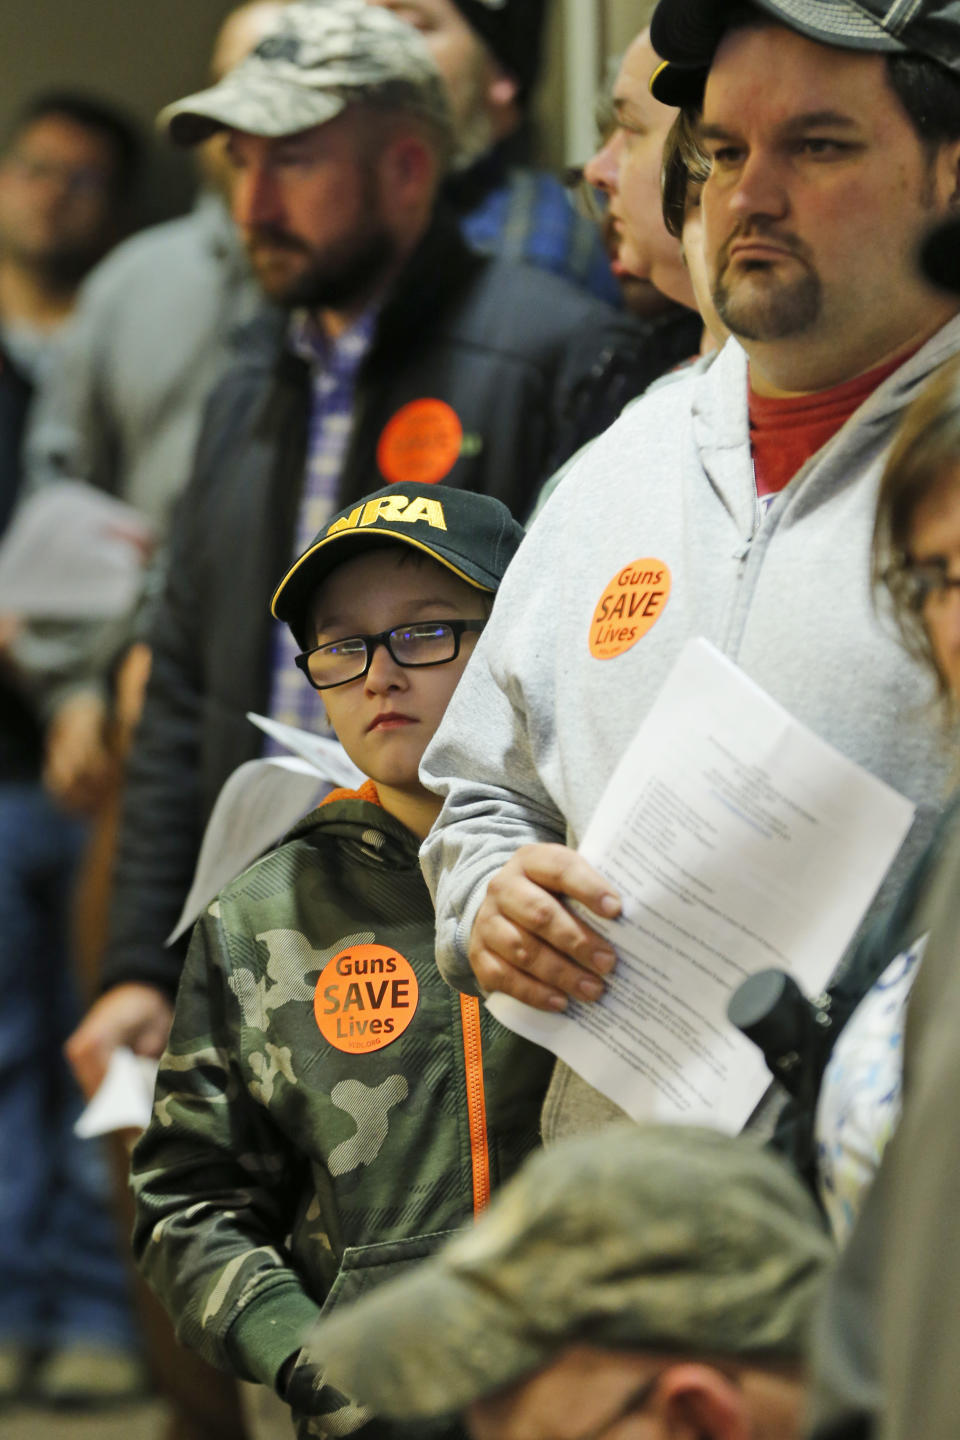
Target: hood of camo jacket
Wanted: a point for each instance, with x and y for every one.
(311, 1132)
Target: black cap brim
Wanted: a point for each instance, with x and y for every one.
(678, 85)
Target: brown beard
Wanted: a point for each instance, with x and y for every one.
(332, 281)
(773, 313)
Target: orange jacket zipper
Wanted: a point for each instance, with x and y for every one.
(476, 1101)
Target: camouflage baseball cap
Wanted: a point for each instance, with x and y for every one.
(318, 58)
(661, 1238)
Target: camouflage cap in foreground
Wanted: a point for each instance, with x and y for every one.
(317, 59)
(661, 1238)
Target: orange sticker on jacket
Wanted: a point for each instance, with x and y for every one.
(365, 998)
(420, 444)
(631, 603)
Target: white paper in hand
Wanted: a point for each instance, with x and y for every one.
(72, 552)
(738, 840)
(323, 752)
(125, 1098)
(258, 804)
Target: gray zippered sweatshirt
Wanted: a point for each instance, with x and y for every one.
(538, 721)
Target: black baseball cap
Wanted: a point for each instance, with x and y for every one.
(686, 34)
(680, 85)
(513, 31)
(473, 535)
(940, 255)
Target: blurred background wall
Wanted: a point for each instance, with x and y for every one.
(142, 53)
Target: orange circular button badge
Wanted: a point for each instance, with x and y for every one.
(632, 602)
(420, 444)
(366, 996)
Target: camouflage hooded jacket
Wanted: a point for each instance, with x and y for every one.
(328, 1109)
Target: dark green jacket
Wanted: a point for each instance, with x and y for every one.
(282, 1173)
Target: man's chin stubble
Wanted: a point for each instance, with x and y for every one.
(782, 312)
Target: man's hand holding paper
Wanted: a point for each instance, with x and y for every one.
(526, 943)
(734, 839)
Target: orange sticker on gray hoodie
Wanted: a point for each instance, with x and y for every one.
(631, 603)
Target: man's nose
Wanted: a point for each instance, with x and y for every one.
(759, 188)
(602, 170)
(53, 181)
(254, 197)
(384, 672)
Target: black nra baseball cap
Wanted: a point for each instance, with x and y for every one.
(473, 535)
(686, 34)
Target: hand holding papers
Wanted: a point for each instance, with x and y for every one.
(259, 803)
(738, 840)
(73, 553)
(125, 1097)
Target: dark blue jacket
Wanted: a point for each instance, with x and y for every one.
(20, 738)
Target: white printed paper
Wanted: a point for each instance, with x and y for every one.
(72, 552)
(258, 804)
(738, 840)
(323, 752)
(124, 1100)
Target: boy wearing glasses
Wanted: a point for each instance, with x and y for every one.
(328, 1110)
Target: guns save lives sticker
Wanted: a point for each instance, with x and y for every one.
(365, 998)
(633, 601)
(420, 444)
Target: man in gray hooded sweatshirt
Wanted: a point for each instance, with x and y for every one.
(736, 503)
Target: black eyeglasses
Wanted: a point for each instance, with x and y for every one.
(75, 179)
(429, 642)
(913, 583)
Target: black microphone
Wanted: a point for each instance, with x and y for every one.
(773, 1012)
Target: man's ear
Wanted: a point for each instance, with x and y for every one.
(697, 1402)
(503, 89)
(949, 164)
(407, 170)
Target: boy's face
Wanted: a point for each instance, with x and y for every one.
(386, 718)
